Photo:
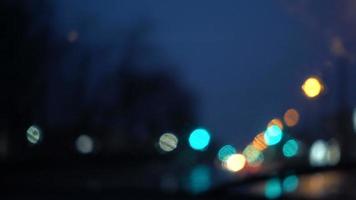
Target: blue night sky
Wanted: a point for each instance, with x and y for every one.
(244, 60)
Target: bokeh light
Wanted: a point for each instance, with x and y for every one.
(290, 148)
(72, 36)
(312, 87)
(33, 134)
(235, 162)
(273, 188)
(290, 183)
(253, 156)
(168, 142)
(199, 179)
(318, 153)
(259, 142)
(84, 144)
(291, 117)
(273, 135)
(276, 122)
(199, 139)
(333, 154)
(225, 152)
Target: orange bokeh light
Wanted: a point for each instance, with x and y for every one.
(291, 117)
(259, 142)
(276, 122)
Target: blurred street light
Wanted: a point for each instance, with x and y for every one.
(276, 122)
(290, 148)
(235, 162)
(290, 183)
(291, 117)
(33, 134)
(225, 152)
(84, 144)
(259, 142)
(318, 153)
(273, 188)
(199, 139)
(168, 142)
(312, 87)
(273, 135)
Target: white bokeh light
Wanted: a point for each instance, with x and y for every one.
(84, 144)
(334, 153)
(318, 153)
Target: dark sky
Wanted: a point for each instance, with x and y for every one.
(244, 60)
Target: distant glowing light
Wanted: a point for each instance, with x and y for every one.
(273, 188)
(290, 148)
(318, 153)
(199, 179)
(291, 117)
(33, 134)
(312, 87)
(259, 142)
(168, 142)
(253, 156)
(290, 183)
(235, 162)
(333, 154)
(337, 46)
(72, 36)
(84, 144)
(276, 122)
(273, 135)
(225, 152)
(199, 139)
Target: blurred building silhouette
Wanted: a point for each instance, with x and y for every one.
(129, 111)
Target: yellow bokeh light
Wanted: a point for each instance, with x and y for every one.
(235, 162)
(276, 122)
(312, 87)
(259, 142)
(291, 117)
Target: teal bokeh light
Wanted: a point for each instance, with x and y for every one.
(290, 148)
(273, 135)
(199, 139)
(290, 183)
(225, 152)
(273, 189)
(199, 179)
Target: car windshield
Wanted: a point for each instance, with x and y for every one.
(178, 97)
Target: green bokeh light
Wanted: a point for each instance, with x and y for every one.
(273, 189)
(168, 142)
(33, 134)
(273, 135)
(290, 148)
(199, 139)
(253, 155)
(225, 152)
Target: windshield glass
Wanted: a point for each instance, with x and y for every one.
(177, 95)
